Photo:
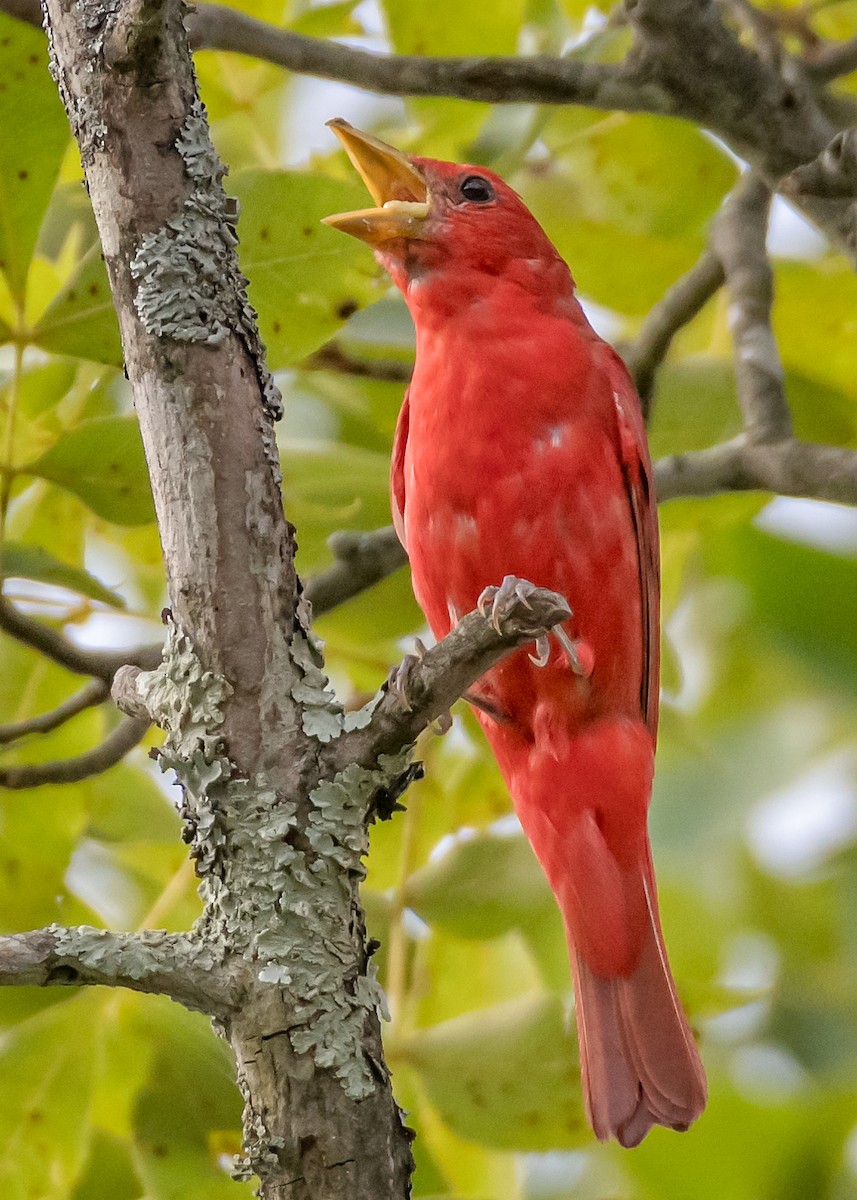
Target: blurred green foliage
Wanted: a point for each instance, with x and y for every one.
(120, 1097)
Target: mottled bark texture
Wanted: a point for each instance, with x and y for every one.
(241, 677)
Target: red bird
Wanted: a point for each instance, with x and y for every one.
(520, 451)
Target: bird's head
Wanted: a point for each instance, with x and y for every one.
(435, 217)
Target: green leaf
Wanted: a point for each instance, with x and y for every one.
(481, 888)
(80, 320)
(434, 29)
(802, 597)
(505, 1076)
(109, 1173)
(305, 279)
(102, 462)
(623, 170)
(34, 136)
(189, 1100)
(46, 1065)
(34, 562)
(328, 486)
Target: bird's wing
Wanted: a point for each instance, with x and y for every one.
(397, 471)
(637, 471)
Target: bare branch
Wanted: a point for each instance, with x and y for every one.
(739, 240)
(432, 683)
(830, 176)
(102, 664)
(679, 306)
(836, 60)
(127, 734)
(90, 694)
(333, 358)
(178, 965)
(362, 559)
(787, 468)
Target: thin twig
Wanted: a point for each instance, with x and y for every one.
(679, 306)
(333, 358)
(128, 733)
(90, 694)
(101, 664)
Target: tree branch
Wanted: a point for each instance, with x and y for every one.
(178, 965)
(127, 734)
(102, 664)
(739, 240)
(787, 468)
(429, 685)
(684, 300)
(90, 694)
(332, 357)
(832, 62)
(362, 559)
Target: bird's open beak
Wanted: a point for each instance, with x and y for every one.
(397, 188)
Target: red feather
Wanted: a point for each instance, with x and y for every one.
(521, 450)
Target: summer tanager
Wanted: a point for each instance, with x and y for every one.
(520, 451)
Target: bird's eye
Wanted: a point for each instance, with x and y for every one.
(477, 190)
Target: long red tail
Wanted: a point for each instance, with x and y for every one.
(639, 1062)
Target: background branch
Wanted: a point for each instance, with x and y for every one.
(679, 306)
(128, 733)
(739, 240)
(90, 694)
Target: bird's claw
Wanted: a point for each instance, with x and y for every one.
(543, 652)
(498, 604)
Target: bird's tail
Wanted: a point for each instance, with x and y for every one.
(639, 1062)
(638, 1059)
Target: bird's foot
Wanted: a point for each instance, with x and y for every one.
(578, 654)
(502, 604)
(503, 607)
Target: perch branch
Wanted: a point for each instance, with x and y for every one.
(432, 683)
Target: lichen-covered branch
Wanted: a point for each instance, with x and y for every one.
(431, 683)
(90, 694)
(166, 964)
(127, 734)
(240, 692)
